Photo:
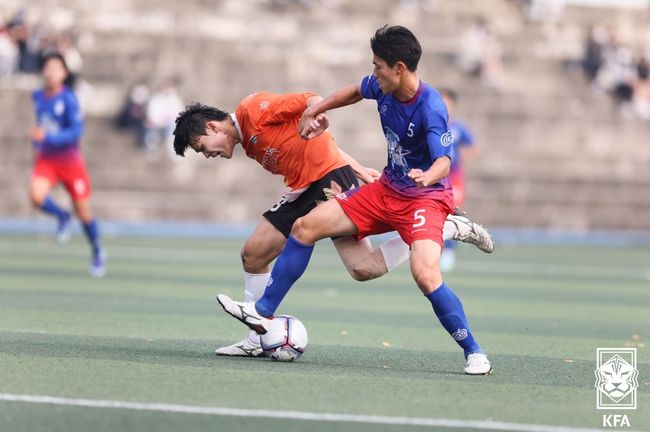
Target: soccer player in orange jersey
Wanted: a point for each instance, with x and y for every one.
(266, 126)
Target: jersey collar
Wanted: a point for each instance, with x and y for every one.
(234, 119)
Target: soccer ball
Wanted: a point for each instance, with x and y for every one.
(285, 340)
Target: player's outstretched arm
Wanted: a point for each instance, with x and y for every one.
(365, 174)
(346, 96)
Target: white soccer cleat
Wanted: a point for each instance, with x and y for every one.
(244, 348)
(477, 364)
(246, 313)
(470, 232)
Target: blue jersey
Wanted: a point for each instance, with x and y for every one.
(417, 134)
(462, 138)
(60, 116)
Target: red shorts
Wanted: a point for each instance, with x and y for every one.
(71, 172)
(376, 209)
(458, 185)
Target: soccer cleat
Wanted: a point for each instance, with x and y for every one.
(64, 229)
(243, 348)
(98, 264)
(477, 364)
(470, 232)
(246, 313)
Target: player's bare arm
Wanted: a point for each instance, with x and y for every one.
(365, 174)
(348, 95)
(438, 170)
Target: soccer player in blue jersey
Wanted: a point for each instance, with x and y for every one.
(55, 139)
(413, 195)
(465, 148)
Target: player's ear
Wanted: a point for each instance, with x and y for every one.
(213, 126)
(400, 68)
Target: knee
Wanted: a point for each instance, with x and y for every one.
(303, 232)
(361, 275)
(36, 199)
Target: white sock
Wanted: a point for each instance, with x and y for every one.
(254, 285)
(395, 252)
(449, 231)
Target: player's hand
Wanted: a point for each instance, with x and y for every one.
(368, 175)
(36, 134)
(421, 178)
(310, 126)
(318, 126)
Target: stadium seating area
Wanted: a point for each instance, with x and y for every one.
(554, 154)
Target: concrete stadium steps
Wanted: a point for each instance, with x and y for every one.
(554, 154)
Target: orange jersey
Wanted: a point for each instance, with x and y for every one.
(268, 125)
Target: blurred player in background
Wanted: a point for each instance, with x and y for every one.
(465, 149)
(413, 195)
(266, 125)
(55, 139)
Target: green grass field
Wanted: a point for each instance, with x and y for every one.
(146, 334)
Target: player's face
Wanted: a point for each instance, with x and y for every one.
(387, 76)
(215, 143)
(54, 73)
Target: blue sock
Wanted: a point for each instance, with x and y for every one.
(289, 266)
(451, 244)
(49, 206)
(92, 233)
(449, 311)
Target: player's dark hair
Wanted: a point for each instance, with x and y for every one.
(397, 43)
(448, 93)
(49, 55)
(191, 124)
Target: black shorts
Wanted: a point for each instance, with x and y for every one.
(284, 214)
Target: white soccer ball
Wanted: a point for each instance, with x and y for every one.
(285, 340)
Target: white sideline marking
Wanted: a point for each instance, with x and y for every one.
(291, 415)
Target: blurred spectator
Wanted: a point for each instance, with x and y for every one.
(162, 108)
(481, 54)
(593, 54)
(545, 11)
(8, 53)
(72, 58)
(31, 42)
(133, 114)
(642, 89)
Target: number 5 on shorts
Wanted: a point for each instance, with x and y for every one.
(419, 217)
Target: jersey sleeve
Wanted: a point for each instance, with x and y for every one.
(284, 107)
(370, 87)
(439, 138)
(70, 131)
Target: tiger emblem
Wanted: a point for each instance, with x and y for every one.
(616, 378)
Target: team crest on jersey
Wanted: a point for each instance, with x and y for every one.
(264, 105)
(446, 139)
(383, 109)
(59, 108)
